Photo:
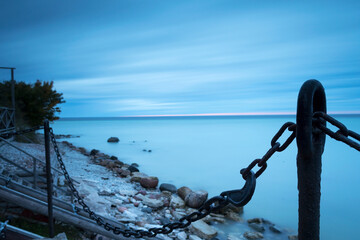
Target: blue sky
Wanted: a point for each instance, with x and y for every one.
(121, 58)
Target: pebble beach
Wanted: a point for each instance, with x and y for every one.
(122, 192)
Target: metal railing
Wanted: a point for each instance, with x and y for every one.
(7, 120)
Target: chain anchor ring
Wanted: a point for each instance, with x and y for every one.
(241, 197)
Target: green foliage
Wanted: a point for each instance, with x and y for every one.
(34, 102)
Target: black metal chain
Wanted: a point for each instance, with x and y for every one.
(342, 134)
(275, 147)
(209, 206)
(237, 197)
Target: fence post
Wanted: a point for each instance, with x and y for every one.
(35, 173)
(310, 148)
(49, 178)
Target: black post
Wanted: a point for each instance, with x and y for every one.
(310, 148)
(49, 178)
(12, 89)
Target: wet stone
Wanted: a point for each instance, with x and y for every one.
(164, 220)
(113, 139)
(196, 199)
(203, 230)
(275, 229)
(132, 169)
(147, 210)
(253, 235)
(257, 227)
(255, 220)
(149, 182)
(168, 187)
(183, 192)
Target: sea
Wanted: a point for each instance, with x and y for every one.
(207, 153)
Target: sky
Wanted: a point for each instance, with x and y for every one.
(126, 58)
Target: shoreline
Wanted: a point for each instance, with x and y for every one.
(120, 192)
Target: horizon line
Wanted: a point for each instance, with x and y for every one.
(224, 114)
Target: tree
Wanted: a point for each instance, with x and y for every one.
(33, 102)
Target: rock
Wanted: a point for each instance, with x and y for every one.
(293, 237)
(153, 203)
(203, 230)
(183, 192)
(105, 193)
(122, 209)
(149, 151)
(123, 172)
(135, 165)
(113, 158)
(257, 227)
(166, 194)
(255, 220)
(176, 202)
(130, 216)
(232, 237)
(132, 169)
(253, 235)
(137, 176)
(177, 214)
(147, 210)
(136, 204)
(168, 187)
(82, 150)
(194, 237)
(233, 216)
(149, 182)
(142, 192)
(94, 152)
(274, 229)
(113, 139)
(196, 199)
(164, 220)
(231, 208)
(181, 235)
(214, 218)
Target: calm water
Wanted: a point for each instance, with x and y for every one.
(207, 153)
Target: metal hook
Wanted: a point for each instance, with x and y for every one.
(241, 197)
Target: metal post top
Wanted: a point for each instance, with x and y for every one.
(311, 99)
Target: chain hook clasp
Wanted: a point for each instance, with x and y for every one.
(241, 197)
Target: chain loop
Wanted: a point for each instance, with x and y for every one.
(342, 134)
(275, 147)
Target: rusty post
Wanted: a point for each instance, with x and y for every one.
(49, 178)
(310, 148)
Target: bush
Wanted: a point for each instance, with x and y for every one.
(33, 102)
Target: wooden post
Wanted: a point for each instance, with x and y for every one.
(49, 178)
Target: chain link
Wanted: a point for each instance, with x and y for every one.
(275, 147)
(342, 134)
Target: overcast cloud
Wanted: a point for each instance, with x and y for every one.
(120, 58)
